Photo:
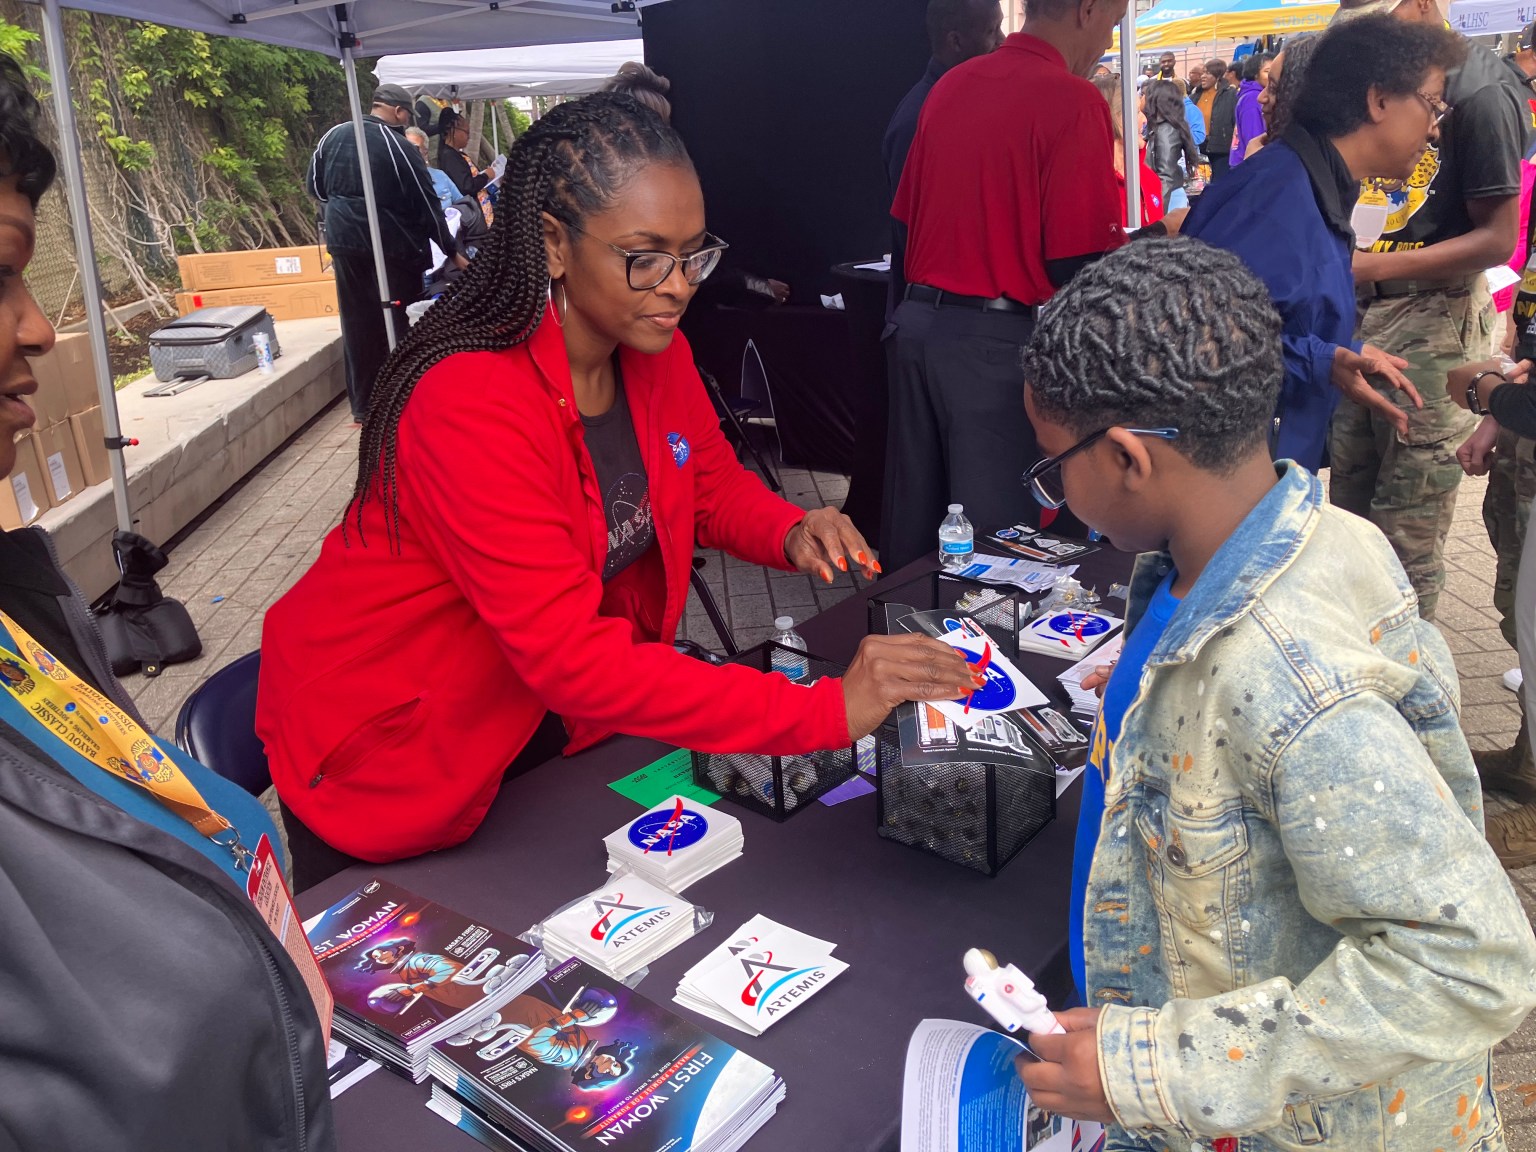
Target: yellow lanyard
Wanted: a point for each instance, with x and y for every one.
(107, 736)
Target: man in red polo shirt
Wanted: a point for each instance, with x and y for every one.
(1009, 188)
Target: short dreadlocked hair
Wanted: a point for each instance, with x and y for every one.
(573, 162)
(1162, 333)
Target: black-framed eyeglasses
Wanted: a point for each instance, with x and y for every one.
(646, 269)
(1044, 479)
(1438, 108)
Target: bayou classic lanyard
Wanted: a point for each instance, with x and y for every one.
(107, 736)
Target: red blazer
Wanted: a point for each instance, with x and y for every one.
(396, 686)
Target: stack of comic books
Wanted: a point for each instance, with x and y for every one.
(406, 972)
(579, 1061)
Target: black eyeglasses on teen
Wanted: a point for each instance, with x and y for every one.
(646, 269)
(1044, 479)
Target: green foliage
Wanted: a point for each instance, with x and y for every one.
(521, 121)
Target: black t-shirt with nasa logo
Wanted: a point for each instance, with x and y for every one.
(1477, 157)
(622, 481)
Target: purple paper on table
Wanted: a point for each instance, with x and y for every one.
(858, 786)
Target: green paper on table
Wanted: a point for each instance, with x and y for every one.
(672, 775)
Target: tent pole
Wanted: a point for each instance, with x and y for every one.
(370, 200)
(1128, 101)
(85, 253)
(495, 128)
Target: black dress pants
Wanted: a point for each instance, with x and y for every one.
(958, 433)
(364, 340)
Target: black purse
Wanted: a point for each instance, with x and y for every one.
(144, 629)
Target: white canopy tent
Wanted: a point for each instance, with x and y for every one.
(495, 73)
(343, 30)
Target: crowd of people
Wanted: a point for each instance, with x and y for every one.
(1288, 926)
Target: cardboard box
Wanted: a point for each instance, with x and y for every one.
(24, 494)
(58, 463)
(285, 302)
(254, 268)
(66, 380)
(90, 446)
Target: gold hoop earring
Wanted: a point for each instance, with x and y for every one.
(549, 292)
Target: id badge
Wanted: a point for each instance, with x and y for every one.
(1369, 220)
(269, 893)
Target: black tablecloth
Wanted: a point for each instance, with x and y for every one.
(900, 918)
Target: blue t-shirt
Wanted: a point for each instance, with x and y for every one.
(1118, 694)
(231, 801)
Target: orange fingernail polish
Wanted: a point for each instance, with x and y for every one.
(842, 563)
(877, 567)
(862, 558)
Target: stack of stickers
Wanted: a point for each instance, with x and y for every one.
(675, 843)
(1068, 633)
(1085, 702)
(621, 927)
(760, 975)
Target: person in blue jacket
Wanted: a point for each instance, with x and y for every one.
(1369, 108)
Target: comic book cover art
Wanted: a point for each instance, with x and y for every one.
(585, 1060)
(404, 965)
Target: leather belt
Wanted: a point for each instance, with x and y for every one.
(923, 294)
(1392, 289)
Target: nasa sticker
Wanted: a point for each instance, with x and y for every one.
(1076, 625)
(680, 449)
(1000, 693)
(668, 831)
(1008, 534)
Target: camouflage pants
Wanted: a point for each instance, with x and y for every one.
(1406, 485)
(1506, 507)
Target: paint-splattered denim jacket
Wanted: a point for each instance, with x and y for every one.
(1294, 925)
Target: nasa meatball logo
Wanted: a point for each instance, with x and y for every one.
(1077, 625)
(1007, 533)
(680, 449)
(668, 832)
(998, 695)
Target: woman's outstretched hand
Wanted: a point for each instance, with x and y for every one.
(825, 543)
(891, 670)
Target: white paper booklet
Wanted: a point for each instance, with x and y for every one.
(961, 1093)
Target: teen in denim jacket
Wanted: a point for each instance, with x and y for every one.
(1294, 933)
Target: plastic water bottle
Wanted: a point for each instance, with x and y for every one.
(263, 345)
(797, 668)
(957, 540)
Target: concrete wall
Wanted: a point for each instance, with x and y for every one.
(197, 446)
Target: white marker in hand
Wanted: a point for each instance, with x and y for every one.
(1007, 994)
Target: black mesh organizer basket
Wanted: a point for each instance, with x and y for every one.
(979, 814)
(777, 786)
(941, 591)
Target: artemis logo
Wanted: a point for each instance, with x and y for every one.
(760, 967)
(607, 926)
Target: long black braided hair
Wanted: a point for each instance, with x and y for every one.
(573, 162)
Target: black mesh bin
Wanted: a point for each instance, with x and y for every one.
(974, 813)
(777, 786)
(940, 591)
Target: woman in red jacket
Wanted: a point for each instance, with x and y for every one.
(538, 462)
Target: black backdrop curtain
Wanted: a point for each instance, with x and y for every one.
(783, 104)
